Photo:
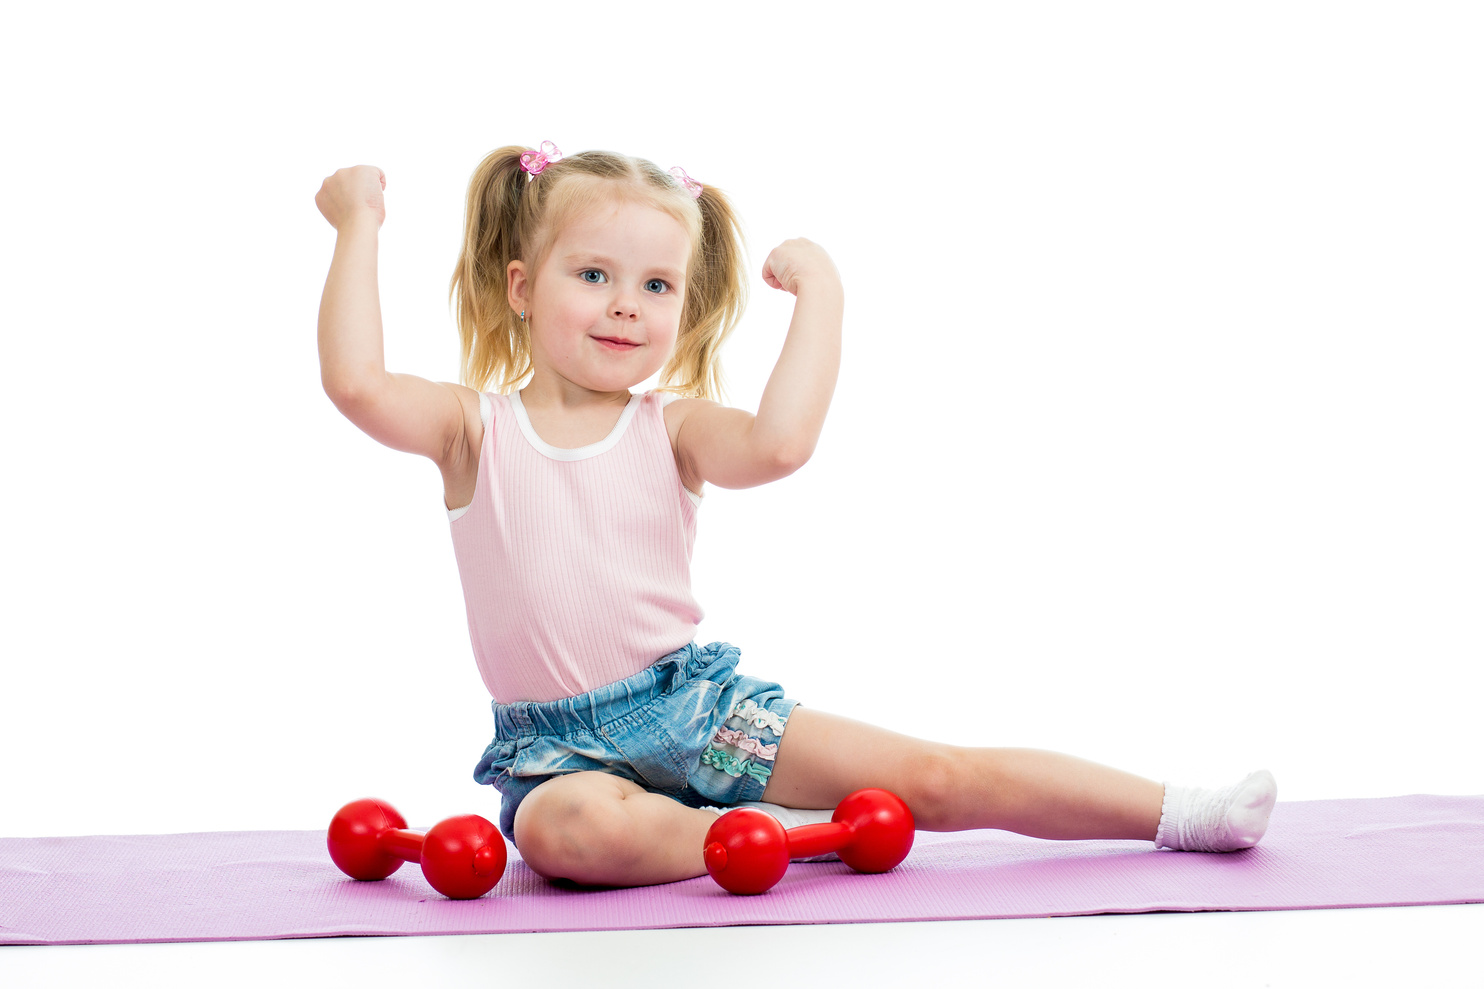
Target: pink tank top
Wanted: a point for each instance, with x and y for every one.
(575, 563)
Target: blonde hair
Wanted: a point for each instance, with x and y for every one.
(509, 216)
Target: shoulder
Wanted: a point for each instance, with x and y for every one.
(676, 411)
(465, 451)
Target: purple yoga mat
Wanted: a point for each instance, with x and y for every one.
(245, 885)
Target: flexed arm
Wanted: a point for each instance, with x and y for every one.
(732, 448)
(401, 411)
(791, 413)
(350, 347)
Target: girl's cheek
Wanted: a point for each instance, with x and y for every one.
(572, 314)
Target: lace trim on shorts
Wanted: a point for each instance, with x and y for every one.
(741, 742)
(759, 717)
(739, 739)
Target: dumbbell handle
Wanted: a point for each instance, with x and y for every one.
(406, 845)
(808, 840)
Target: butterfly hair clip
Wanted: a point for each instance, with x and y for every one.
(535, 162)
(691, 185)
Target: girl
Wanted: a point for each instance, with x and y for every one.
(573, 504)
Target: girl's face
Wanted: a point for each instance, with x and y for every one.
(604, 308)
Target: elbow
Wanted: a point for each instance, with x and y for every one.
(788, 459)
(344, 392)
(334, 391)
(768, 458)
(341, 396)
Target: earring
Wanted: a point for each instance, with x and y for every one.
(522, 315)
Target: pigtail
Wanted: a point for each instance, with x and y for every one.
(716, 295)
(493, 345)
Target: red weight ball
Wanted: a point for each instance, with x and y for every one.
(463, 857)
(355, 839)
(746, 851)
(884, 829)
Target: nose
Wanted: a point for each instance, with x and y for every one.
(625, 305)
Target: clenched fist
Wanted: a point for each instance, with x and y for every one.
(351, 192)
(794, 262)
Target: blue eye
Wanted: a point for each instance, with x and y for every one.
(663, 286)
(593, 271)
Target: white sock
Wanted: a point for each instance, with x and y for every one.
(1225, 820)
(789, 817)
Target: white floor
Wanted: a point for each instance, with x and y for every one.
(1397, 946)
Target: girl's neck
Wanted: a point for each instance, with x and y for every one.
(564, 397)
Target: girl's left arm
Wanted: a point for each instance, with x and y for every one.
(732, 448)
(791, 413)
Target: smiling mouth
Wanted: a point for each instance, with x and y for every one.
(616, 342)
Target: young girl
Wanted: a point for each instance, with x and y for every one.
(573, 504)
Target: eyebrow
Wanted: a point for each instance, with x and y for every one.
(603, 261)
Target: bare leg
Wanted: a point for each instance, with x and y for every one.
(602, 830)
(823, 757)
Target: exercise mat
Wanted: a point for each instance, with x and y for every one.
(231, 886)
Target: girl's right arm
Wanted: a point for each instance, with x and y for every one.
(401, 411)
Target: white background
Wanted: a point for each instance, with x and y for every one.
(1156, 440)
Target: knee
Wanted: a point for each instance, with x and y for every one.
(934, 784)
(574, 831)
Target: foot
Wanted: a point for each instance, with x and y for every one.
(1225, 820)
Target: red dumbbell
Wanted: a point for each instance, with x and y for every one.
(462, 857)
(747, 850)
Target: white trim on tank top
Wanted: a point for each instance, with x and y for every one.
(579, 453)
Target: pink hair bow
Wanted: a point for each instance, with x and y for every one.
(535, 162)
(691, 185)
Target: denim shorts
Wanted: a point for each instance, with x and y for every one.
(689, 727)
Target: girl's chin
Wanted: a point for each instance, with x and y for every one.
(614, 382)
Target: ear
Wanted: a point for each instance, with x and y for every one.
(517, 285)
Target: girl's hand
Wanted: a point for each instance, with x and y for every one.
(794, 262)
(351, 192)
